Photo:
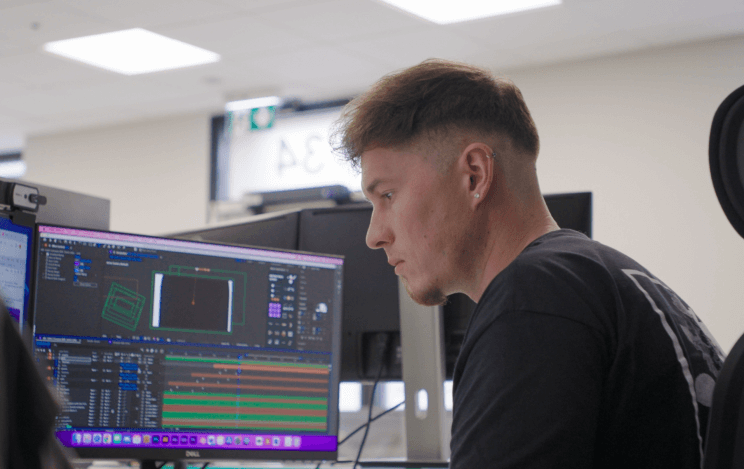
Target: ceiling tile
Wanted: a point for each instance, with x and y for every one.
(342, 20)
(42, 69)
(411, 47)
(268, 5)
(148, 13)
(31, 25)
(242, 34)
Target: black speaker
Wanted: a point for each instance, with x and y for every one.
(726, 154)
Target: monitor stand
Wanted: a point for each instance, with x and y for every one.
(422, 344)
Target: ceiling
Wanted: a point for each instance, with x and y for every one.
(305, 49)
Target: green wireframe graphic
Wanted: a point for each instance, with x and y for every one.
(123, 306)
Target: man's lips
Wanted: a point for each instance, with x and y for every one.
(395, 263)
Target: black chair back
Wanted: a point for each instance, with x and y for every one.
(724, 448)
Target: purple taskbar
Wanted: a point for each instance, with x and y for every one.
(143, 439)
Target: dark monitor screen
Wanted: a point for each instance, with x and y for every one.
(276, 230)
(168, 349)
(370, 285)
(16, 241)
(572, 210)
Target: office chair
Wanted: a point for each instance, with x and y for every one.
(724, 447)
(725, 438)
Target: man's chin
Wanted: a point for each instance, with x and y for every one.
(431, 296)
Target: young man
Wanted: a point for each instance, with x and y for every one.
(575, 356)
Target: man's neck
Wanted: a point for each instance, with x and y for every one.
(512, 235)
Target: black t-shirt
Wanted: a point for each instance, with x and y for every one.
(577, 357)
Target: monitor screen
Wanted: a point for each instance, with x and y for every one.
(16, 235)
(370, 286)
(169, 349)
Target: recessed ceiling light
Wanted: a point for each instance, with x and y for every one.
(132, 51)
(446, 12)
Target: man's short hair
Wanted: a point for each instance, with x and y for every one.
(433, 96)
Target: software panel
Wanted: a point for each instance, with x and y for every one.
(15, 263)
(173, 349)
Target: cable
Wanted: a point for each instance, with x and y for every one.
(383, 352)
(365, 424)
(356, 430)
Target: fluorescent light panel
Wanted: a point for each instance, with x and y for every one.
(253, 103)
(449, 11)
(12, 169)
(132, 52)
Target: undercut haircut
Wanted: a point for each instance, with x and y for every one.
(432, 97)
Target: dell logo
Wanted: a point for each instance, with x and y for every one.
(192, 454)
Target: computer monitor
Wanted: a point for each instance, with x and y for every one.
(370, 287)
(16, 241)
(275, 230)
(167, 349)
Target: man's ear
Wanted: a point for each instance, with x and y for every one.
(476, 163)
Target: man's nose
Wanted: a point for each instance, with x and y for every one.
(377, 235)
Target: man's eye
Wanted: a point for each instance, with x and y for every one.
(387, 195)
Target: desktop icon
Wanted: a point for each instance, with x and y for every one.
(296, 441)
(247, 441)
(107, 437)
(185, 439)
(287, 441)
(211, 440)
(127, 439)
(137, 439)
(238, 440)
(156, 439)
(228, 440)
(97, 438)
(220, 440)
(146, 439)
(202, 440)
(87, 438)
(117, 438)
(164, 439)
(276, 441)
(259, 441)
(77, 438)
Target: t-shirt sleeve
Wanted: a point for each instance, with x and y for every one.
(529, 394)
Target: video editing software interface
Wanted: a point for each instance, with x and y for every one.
(156, 343)
(15, 267)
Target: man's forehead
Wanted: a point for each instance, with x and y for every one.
(382, 164)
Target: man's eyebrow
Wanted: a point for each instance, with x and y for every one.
(373, 185)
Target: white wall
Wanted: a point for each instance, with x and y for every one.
(634, 130)
(156, 173)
